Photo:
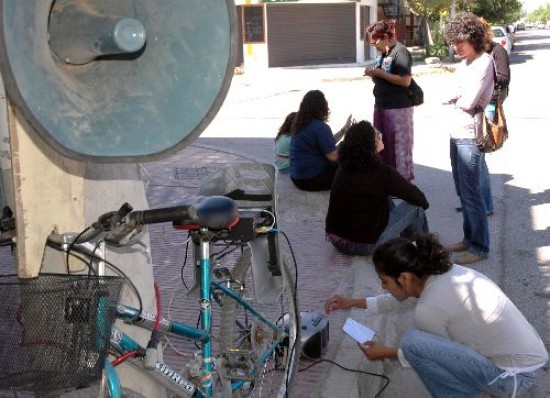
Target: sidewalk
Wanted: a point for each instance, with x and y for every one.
(324, 272)
(319, 266)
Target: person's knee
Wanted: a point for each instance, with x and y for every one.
(412, 343)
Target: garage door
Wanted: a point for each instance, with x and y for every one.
(311, 34)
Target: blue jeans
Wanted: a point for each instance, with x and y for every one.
(451, 370)
(490, 111)
(466, 163)
(405, 219)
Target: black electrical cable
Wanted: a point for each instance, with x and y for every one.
(127, 280)
(386, 378)
(91, 258)
(185, 261)
(297, 320)
(71, 246)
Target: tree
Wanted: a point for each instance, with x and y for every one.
(540, 14)
(434, 12)
(495, 11)
(430, 11)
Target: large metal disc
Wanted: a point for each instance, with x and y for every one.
(122, 108)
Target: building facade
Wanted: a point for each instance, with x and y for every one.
(279, 33)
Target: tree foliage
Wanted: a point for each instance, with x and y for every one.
(495, 11)
(431, 9)
(434, 13)
(540, 14)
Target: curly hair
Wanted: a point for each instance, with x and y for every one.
(380, 29)
(466, 27)
(358, 150)
(286, 126)
(314, 105)
(424, 256)
(488, 47)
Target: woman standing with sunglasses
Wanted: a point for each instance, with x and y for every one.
(393, 108)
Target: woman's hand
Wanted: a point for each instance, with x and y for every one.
(338, 303)
(375, 350)
(348, 124)
(340, 134)
(373, 72)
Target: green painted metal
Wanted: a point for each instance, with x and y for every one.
(122, 107)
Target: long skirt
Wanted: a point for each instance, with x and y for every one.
(397, 127)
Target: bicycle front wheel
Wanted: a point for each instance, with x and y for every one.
(257, 359)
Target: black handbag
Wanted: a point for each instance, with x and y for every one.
(415, 93)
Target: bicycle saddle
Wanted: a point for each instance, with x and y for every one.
(213, 212)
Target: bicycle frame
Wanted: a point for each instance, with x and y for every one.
(239, 217)
(162, 373)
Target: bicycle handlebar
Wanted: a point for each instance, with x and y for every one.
(178, 214)
(119, 227)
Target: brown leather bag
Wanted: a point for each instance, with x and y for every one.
(494, 133)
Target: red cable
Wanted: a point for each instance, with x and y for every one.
(159, 310)
(124, 357)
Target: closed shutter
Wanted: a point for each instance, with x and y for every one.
(311, 34)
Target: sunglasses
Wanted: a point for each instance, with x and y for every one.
(375, 43)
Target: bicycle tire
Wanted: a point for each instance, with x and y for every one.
(237, 332)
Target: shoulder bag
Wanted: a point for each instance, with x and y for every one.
(494, 133)
(415, 93)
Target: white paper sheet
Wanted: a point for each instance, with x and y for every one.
(357, 331)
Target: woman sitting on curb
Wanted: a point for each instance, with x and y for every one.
(361, 212)
(469, 338)
(313, 152)
(282, 145)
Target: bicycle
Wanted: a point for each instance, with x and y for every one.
(257, 347)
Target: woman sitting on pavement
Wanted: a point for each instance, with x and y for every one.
(361, 212)
(282, 145)
(313, 152)
(469, 338)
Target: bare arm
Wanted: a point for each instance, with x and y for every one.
(340, 134)
(332, 156)
(338, 302)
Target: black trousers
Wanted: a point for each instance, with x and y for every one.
(321, 182)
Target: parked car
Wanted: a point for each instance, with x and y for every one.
(520, 26)
(501, 37)
(541, 25)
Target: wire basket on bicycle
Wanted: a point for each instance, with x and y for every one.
(55, 329)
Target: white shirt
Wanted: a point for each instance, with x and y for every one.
(473, 88)
(467, 307)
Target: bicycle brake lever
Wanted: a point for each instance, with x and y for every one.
(123, 234)
(108, 221)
